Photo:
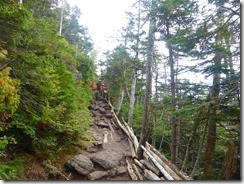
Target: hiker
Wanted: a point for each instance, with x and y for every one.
(92, 85)
(104, 91)
(99, 85)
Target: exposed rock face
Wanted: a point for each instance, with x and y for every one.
(82, 164)
(107, 159)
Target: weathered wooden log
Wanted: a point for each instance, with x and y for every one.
(165, 166)
(150, 175)
(140, 177)
(110, 126)
(120, 124)
(132, 135)
(112, 107)
(133, 153)
(131, 171)
(161, 169)
(183, 175)
(149, 166)
(139, 164)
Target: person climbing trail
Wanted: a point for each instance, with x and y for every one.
(99, 92)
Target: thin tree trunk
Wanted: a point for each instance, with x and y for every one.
(155, 119)
(189, 145)
(121, 98)
(174, 142)
(196, 165)
(150, 49)
(132, 99)
(134, 80)
(61, 18)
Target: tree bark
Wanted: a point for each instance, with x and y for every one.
(132, 99)
(150, 49)
(211, 139)
(174, 142)
(121, 98)
(229, 165)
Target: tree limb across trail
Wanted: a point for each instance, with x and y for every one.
(112, 153)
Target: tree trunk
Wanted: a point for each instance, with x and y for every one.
(132, 99)
(121, 98)
(133, 86)
(150, 49)
(189, 146)
(196, 165)
(174, 142)
(229, 165)
(211, 139)
(155, 118)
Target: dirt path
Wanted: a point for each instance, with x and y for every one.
(108, 137)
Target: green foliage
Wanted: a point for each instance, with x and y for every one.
(12, 170)
(46, 102)
(9, 99)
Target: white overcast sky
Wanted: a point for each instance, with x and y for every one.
(103, 18)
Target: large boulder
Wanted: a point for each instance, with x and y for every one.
(107, 159)
(81, 163)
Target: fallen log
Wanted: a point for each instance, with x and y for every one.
(139, 164)
(150, 175)
(133, 153)
(120, 125)
(149, 166)
(161, 169)
(167, 162)
(131, 171)
(132, 135)
(137, 172)
(165, 166)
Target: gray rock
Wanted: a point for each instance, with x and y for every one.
(96, 175)
(82, 164)
(121, 170)
(107, 159)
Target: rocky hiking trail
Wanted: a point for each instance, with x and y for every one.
(112, 154)
(106, 158)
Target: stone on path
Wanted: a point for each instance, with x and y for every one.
(96, 175)
(107, 159)
(81, 163)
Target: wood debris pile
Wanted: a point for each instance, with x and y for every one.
(153, 166)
